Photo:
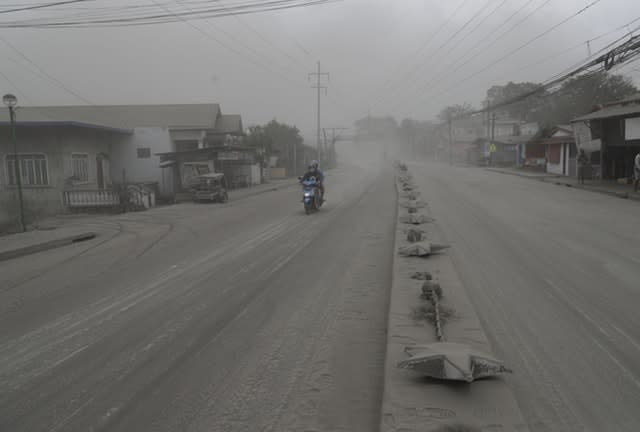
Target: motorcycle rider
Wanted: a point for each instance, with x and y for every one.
(313, 172)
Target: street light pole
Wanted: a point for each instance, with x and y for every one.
(11, 101)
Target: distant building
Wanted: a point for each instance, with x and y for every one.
(510, 138)
(553, 150)
(464, 133)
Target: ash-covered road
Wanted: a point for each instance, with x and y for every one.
(554, 275)
(243, 317)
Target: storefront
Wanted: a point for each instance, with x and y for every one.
(611, 139)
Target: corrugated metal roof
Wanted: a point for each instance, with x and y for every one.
(613, 111)
(179, 116)
(633, 98)
(41, 124)
(229, 124)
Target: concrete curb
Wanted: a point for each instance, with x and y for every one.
(44, 246)
(413, 403)
(265, 190)
(557, 180)
(64, 241)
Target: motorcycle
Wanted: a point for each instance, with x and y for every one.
(310, 195)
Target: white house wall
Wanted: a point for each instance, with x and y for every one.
(124, 155)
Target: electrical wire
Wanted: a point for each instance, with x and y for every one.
(42, 6)
(500, 36)
(163, 18)
(451, 68)
(574, 47)
(262, 56)
(458, 42)
(508, 54)
(505, 22)
(45, 73)
(411, 73)
(427, 42)
(227, 46)
(269, 42)
(633, 45)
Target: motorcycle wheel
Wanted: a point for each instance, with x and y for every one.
(307, 209)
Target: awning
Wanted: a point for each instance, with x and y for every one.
(632, 110)
(167, 164)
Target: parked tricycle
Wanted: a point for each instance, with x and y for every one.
(211, 187)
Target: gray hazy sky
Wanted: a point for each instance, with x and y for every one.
(383, 55)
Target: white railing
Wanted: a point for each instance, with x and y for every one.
(90, 198)
(138, 195)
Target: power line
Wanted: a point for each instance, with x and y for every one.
(544, 33)
(163, 18)
(46, 74)
(268, 42)
(42, 6)
(229, 35)
(452, 48)
(231, 48)
(410, 72)
(574, 47)
(428, 41)
(14, 86)
(319, 74)
(514, 51)
(627, 52)
(501, 35)
(446, 71)
(496, 29)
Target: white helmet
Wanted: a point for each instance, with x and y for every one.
(314, 164)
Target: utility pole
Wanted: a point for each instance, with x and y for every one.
(295, 160)
(318, 75)
(493, 136)
(324, 144)
(488, 119)
(450, 139)
(11, 101)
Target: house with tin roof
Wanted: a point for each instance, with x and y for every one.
(610, 135)
(70, 156)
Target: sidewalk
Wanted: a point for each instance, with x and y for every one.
(58, 231)
(30, 242)
(607, 187)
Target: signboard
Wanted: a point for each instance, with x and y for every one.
(229, 155)
(590, 146)
(582, 132)
(492, 148)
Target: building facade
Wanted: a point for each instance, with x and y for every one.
(53, 158)
(68, 152)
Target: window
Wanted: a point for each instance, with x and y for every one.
(144, 152)
(33, 169)
(80, 167)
